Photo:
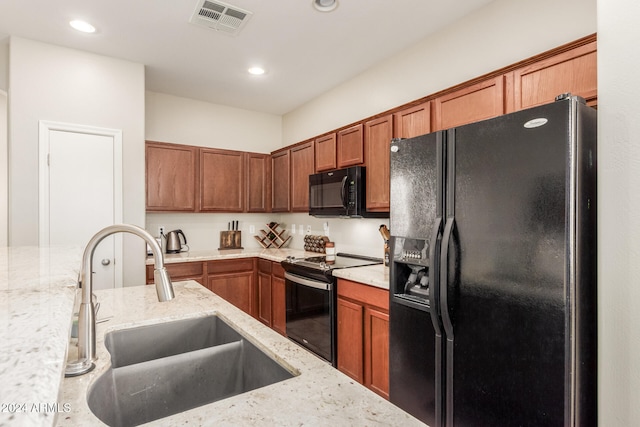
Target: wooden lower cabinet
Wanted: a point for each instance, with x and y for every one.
(278, 302)
(182, 271)
(235, 281)
(254, 285)
(363, 334)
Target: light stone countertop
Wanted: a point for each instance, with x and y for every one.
(37, 291)
(373, 275)
(319, 396)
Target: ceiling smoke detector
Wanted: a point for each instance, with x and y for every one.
(220, 16)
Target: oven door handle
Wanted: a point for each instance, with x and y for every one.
(308, 282)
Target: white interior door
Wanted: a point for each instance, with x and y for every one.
(81, 193)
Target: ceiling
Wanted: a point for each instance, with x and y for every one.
(305, 52)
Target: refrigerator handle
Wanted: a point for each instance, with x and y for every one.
(449, 233)
(444, 277)
(434, 298)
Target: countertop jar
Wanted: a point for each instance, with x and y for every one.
(330, 248)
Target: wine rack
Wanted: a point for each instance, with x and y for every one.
(272, 236)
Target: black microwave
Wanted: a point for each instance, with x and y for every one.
(340, 193)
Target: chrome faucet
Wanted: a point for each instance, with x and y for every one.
(87, 316)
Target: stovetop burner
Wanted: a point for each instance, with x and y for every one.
(327, 262)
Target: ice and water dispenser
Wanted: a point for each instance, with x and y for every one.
(409, 271)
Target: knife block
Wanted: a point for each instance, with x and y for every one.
(230, 240)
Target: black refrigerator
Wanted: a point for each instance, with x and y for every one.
(493, 270)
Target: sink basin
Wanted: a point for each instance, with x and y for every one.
(217, 363)
(135, 345)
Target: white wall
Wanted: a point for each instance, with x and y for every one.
(618, 213)
(500, 34)
(187, 121)
(53, 83)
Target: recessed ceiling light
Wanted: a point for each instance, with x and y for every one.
(256, 71)
(325, 5)
(83, 26)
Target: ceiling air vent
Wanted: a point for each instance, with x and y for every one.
(220, 16)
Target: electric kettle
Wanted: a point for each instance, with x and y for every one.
(173, 242)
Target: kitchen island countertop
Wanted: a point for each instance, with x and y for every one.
(37, 294)
(320, 395)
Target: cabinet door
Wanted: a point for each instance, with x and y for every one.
(171, 175)
(302, 165)
(221, 180)
(264, 298)
(237, 288)
(264, 291)
(278, 302)
(350, 339)
(411, 122)
(376, 350)
(573, 71)
(280, 181)
(350, 146)
(477, 102)
(326, 152)
(258, 190)
(378, 134)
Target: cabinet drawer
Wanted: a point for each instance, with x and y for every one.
(217, 267)
(264, 266)
(277, 271)
(369, 295)
(180, 271)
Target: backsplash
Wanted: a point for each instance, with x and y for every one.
(356, 236)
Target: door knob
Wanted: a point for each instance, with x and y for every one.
(106, 261)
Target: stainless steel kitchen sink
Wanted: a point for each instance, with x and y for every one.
(217, 364)
(135, 345)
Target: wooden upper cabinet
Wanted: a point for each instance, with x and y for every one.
(351, 146)
(302, 165)
(171, 177)
(479, 101)
(326, 152)
(280, 181)
(573, 71)
(258, 182)
(413, 121)
(221, 180)
(377, 140)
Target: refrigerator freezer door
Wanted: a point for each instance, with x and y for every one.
(506, 308)
(416, 341)
(415, 195)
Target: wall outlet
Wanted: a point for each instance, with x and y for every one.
(301, 228)
(308, 229)
(160, 230)
(293, 229)
(252, 229)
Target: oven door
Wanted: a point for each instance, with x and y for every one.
(310, 315)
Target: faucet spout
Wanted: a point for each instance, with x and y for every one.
(86, 314)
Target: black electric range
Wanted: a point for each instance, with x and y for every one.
(310, 289)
